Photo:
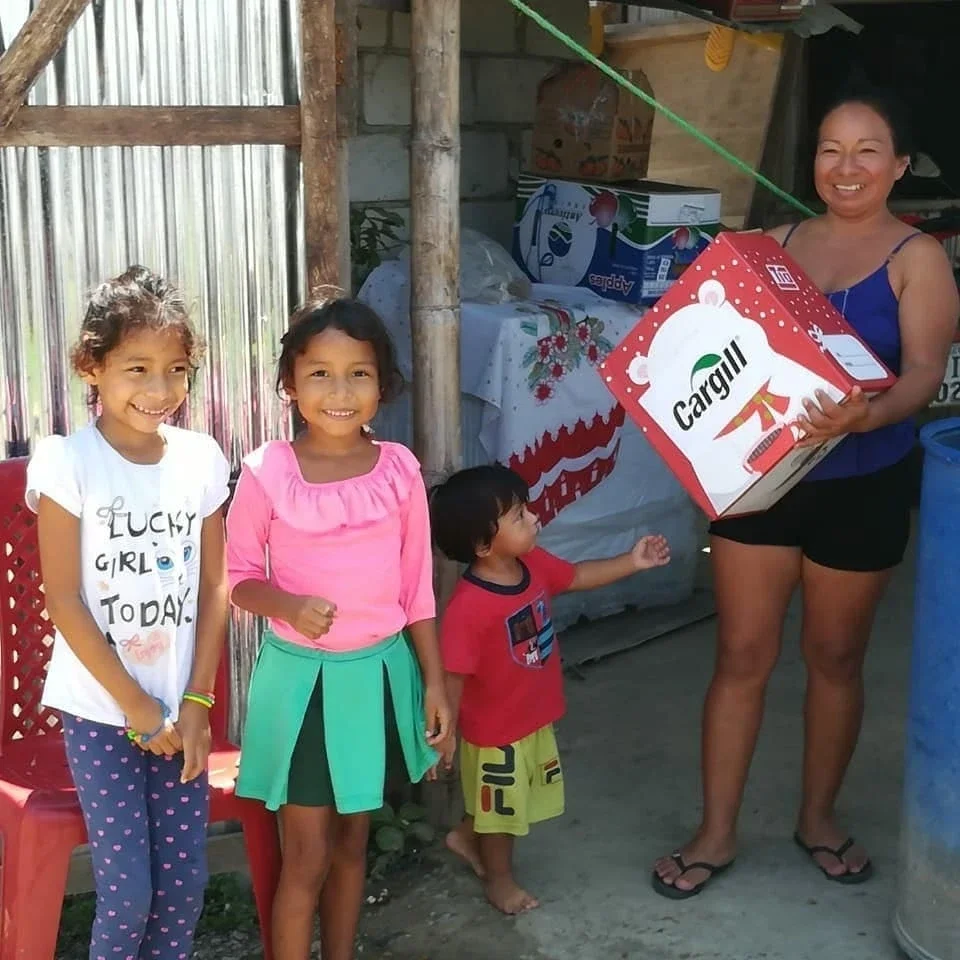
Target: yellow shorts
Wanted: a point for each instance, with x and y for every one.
(505, 789)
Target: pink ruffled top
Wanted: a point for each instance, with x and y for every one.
(363, 543)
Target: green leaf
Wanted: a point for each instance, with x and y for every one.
(704, 363)
(412, 812)
(381, 865)
(390, 839)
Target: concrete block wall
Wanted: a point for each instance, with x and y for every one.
(504, 57)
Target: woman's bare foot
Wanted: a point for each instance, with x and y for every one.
(504, 893)
(462, 842)
(826, 833)
(701, 849)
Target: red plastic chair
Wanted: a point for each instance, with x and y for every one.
(40, 819)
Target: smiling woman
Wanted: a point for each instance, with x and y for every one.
(839, 533)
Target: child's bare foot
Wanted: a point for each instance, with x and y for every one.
(509, 898)
(462, 841)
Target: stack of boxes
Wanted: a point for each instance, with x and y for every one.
(585, 214)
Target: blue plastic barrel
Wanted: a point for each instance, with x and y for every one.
(927, 919)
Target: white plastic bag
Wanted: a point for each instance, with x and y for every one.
(488, 274)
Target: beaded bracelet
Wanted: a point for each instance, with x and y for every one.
(144, 738)
(202, 697)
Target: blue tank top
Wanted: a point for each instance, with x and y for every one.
(872, 309)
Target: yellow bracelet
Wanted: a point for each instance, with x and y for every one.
(199, 698)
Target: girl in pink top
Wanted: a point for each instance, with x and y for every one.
(328, 538)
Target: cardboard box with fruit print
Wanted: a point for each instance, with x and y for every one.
(717, 371)
(628, 241)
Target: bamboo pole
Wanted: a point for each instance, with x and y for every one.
(318, 144)
(435, 278)
(32, 49)
(435, 233)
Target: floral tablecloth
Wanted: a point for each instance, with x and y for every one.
(533, 363)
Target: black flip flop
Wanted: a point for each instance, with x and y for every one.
(849, 878)
(672, 892)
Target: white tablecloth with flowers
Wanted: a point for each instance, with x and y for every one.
(533, 363)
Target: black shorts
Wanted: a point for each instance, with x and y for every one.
(860, 524)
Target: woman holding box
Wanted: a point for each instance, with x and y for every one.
(839, 533)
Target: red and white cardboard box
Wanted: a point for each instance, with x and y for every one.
(717, 371)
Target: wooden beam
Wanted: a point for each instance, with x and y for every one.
(318, 148)
(151, 126)
(32, 49)
(435, 233)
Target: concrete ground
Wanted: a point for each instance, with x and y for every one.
(630, 743)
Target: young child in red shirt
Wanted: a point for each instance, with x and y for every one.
(503, 671)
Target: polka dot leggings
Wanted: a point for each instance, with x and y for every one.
(147, 834)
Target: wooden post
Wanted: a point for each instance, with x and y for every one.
(435, 233)
(435, 275)
(32, 49)
(318, 143)
(348, 73)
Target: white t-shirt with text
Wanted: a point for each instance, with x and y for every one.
(140, 530)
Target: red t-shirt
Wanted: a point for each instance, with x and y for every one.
(502, 640)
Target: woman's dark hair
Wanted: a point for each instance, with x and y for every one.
(136, 300)
(351, 317)
(886, 105)
(466, 509)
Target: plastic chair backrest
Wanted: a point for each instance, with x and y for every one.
(26, 633)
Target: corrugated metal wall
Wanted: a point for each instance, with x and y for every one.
(224, 222)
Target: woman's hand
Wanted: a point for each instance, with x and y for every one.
(194, 729)
(437, 710)
(831, 419)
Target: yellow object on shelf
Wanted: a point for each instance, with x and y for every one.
(596, 29)
(769, 41)
(718, 49)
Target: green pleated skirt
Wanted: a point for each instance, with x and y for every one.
(321, 726)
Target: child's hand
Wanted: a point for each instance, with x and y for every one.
(653, 551)
(194, 729)
(437, 713)
(448, 750)
(147, 717)
(312, 616)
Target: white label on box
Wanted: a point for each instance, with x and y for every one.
(851, 354)
(782, 277)
(663, 270)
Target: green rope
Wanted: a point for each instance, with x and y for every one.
(666, 111)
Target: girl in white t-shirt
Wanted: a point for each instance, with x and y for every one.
(132, 553)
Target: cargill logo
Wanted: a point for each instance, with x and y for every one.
(710, 381)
